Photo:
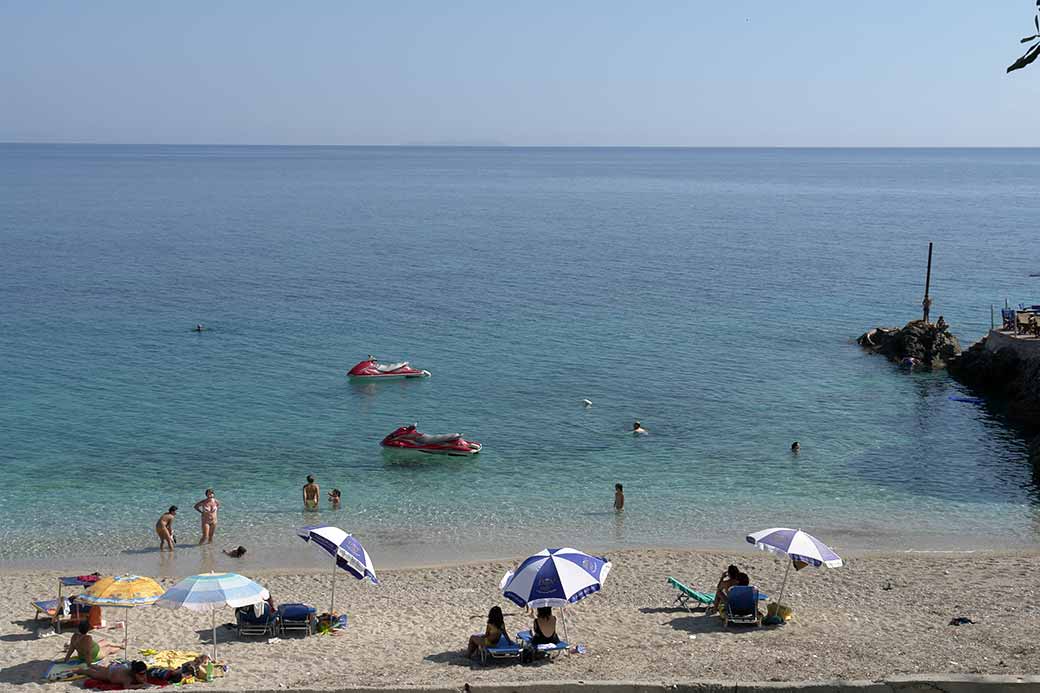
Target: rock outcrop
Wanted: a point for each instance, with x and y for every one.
(1009, 378)
(930, 344)
(1005, 375)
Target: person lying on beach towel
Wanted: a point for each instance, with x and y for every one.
(88, 649)
(126, 674)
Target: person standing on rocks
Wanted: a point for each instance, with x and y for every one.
(926, 305)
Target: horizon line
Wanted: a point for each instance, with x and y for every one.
(435, 145)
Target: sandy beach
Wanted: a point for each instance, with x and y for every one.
(879, 615)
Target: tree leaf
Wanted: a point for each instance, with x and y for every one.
(1026, 59)
(1027, 39)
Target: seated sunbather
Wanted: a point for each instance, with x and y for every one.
(196, 668)
(728, 579)
(88, 649)
(132, 675)
(742, 580)
(493, 633)
(543, 632)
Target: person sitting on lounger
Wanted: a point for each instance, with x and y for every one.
(88, 649)
(543, 631)
(495, 630)
(127, 675)
(728, 579)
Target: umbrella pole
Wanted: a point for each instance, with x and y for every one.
(563, 620)
(332, 607)
(213, 621)
(126, 633)
(784, 583)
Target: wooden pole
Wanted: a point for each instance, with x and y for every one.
(927, 284)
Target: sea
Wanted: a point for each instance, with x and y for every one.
(712, 294)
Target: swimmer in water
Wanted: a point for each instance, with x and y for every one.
(795, 448)
(198, 327)
(638, 430)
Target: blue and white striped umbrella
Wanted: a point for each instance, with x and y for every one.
(212, 591)
(795, 545)
(799, 545)
(347, 551)
(555, 577)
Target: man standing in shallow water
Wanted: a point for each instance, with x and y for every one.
(311, 494)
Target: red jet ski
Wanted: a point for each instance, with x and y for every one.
(370, 369)
(407, 439)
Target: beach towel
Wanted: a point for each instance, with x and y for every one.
(64, 671)
(107, 686)
(170, 659)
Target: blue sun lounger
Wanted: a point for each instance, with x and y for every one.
(297, 617)
(547, 650)
(503, 649)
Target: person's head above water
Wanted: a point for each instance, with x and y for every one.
(210, 493)
(795, 446)
(172, 510)
(310, 479)
(636, 426)
(618, 487)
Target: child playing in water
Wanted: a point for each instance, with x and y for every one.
(619, 497)
(334, 498)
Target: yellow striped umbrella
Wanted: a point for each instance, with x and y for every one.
(123, 592)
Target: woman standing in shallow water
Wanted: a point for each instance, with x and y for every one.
(208, 508)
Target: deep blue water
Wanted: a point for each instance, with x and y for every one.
(712, 294)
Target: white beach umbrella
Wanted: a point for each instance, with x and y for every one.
(795, 545)
(212, 591)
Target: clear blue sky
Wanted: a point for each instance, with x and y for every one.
(719, 73)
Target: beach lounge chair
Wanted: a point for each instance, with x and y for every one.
(547, 650)
(249, 623)
(687, 594)
(503, 649)
(64, 608)
(296, 617)
(741, 607)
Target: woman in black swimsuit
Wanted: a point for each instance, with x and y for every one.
(544, 629)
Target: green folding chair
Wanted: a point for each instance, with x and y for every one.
(687, 595)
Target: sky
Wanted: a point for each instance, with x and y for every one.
(537, 72)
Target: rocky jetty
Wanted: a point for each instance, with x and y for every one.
(930, 344)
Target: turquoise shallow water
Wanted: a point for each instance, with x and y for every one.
(713, 294)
